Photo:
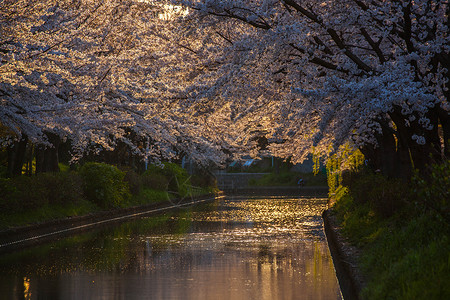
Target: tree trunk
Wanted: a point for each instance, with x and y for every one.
(390, 156)
(16, 156)
(444, 119)
(420, 156)
(47, 157)
(425, 155)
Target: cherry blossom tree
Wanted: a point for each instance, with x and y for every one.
(201, 77)
(322, 74)
(89, 71)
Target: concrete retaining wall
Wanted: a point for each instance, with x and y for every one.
(345, 259)
(230, 181)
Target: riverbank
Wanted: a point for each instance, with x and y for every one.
(387, 253)
(92, 188)
(24, 236)
(345, 258)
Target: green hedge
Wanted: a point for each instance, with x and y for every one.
(104, 185)
(27, 193)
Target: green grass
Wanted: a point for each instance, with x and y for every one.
(46, 213)
(148, 196)
(405, 256)
(82, 207)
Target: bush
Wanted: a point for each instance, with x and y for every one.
(434, 193)
(154, 181)
(385, 196)
(204, 179)
(24, 193)
(27, 193)
(134, 180)
(403, 255)
(177, 179)
(104, 185)
(59, 188)
(9, 201)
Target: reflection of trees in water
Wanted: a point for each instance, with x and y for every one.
(246, 246)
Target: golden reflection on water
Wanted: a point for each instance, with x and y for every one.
(26, 288)
(260, 248)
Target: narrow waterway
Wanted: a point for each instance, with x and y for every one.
(233, 248)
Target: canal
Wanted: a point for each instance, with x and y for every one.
(233, 248)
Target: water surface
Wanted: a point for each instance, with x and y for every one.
(234, 248)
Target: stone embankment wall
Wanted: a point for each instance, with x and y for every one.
(345, 258)
(231, 181)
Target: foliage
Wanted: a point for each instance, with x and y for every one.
(63, 167)
(45, 213)
(28, 193)
(385, 196)
(154, 181)
(359, 221)
(133, 179)
(178, 180)
(405, 254)
(94, 186)
(433, 193)
(147, 196)
(80, 71)
(104, 185)
(204, 180)
(208, 77)
(346, 160)
(370, 74)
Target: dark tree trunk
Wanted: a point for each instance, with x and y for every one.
(423, 156)
(445, 123)
(47, 157)
(16, 156)
(29, 160)
(390, 157)
(432, 136)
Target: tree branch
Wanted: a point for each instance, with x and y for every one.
(319, 61)
(224, 37)
(375, 46)
(333, 34)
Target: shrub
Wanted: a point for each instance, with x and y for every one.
(54, 188)
(27, 193)
(176, 178)
(434, 193)
(154, 181)
(385, 196)
(8, 197)
(134, 180)
(62, 188)
(204, 179)
(104, 185)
